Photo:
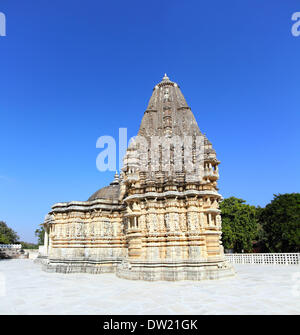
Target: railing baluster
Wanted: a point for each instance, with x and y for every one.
(272, 258)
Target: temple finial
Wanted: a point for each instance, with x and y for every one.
(165, 77)
(116, 179)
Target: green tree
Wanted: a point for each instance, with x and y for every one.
(28, 245)
(239, 224)
(7, 235)
(280, 221)
(39, 233)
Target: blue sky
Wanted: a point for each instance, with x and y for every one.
(71, 71)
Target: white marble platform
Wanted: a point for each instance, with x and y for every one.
(256, 289)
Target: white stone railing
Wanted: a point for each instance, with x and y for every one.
(10, 246)
(265, 258)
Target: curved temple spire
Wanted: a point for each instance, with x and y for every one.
(167, 108)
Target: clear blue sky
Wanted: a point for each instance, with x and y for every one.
(71, 71)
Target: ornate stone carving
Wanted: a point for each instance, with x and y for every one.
(160, 219)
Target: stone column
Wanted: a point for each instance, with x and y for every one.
(46, 241)
(135, 221)
(201, 220)
(209, 219)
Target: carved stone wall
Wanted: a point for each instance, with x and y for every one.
(160, 220)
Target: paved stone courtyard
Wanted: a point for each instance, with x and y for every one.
(256, 289)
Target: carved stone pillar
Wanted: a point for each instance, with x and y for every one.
(209, 219)
(201, 220)
(134, 238)
(46, 241)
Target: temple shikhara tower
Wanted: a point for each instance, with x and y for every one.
(158, 220)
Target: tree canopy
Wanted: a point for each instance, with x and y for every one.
(40, 233)
(7, 235)
(280, 221)
(27, 245)
(239, 224)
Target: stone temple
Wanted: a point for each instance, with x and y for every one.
(158, 220)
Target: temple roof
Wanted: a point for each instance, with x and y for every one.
(110, 192)
(168, 110)
(167, 115)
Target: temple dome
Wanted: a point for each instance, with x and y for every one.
(110, 192)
